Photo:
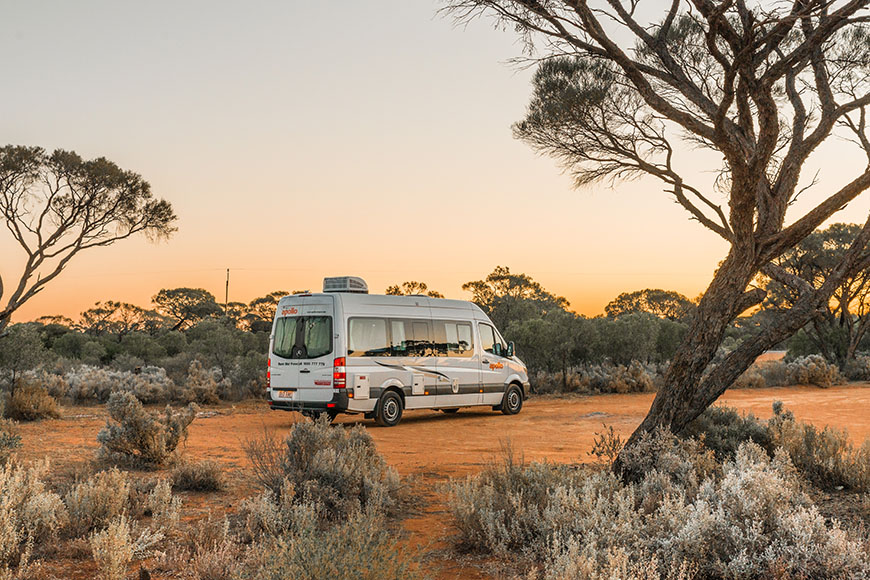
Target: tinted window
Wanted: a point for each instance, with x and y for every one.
(487, 337)
(453, 339)
(411, 338)
(303, 337)
(367, 337)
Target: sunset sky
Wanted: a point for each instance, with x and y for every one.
(298, 140)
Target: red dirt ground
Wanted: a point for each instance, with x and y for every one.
(429, 447)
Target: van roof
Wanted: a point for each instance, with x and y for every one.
(354, 303)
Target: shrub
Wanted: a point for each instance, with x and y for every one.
(95, 502)
(813, 370)
(54, 383)
(214, 554)
(359, 548)
(140, 438)
(826, 457)
(748, 519)
(31, 402)
(723, 430)
(29, 514)
(88, 383)
(204, 385)
(858, 369)
(163, 506)
(199, 476)
(113, 549)
(599, 378)
(10, 440)
(337, 468)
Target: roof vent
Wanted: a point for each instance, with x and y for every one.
(345, 284)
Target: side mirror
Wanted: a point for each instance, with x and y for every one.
(511, 349)
(496, 349)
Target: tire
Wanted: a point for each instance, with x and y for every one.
(450, 411)
(389, 410)
(513, 401)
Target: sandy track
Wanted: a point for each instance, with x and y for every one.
(430, 447)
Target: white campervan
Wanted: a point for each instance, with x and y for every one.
(347, 351)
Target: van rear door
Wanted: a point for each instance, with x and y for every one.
(303, 349)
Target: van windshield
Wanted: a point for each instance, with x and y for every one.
(303, 337)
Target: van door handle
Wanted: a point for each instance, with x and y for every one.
(304, 371)
(485, 361)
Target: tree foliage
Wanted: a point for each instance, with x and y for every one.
(57, 205)
(662, 303)
(412, 288)
(186, 306)
(506, 297)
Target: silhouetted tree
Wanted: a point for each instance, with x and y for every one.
(118, 319)
(662, 303)
(618, 95)
(412, 288)
(507, 297)
(261, 311)
(58, 205)
(838, 327)
(186, 306)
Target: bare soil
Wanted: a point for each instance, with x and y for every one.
(427, 448)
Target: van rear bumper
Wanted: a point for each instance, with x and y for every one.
(338, 404)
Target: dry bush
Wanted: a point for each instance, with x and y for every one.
(54, 383)
(198, 476)
(606, 445)
(29, 513)
(747, 519)
(359, 549)
(113, 549)
(30, 402)
(95, 502)
(88, 383)
(164, 508)
(10, 440)
(337, 468)
(204, 385)
(139, 438)
(599, 378)
(826, 457)
(813, 370)
(858, 369)
(214, 553)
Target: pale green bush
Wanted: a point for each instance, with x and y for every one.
(337, 468)
(30, 402)
(165, 508)
(599, 378)
(54, 383)
(29, 513)
(95, 502)
(204, 385)
(88, 383)
(198, 476)
(858, 369)
(724, 429)
(10, 440)
(138, 437)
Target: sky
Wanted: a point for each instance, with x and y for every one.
(297, 140)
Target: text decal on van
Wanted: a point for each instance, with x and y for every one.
(289, 311)
(494, 366)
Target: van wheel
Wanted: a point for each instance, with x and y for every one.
(451, 411)
(389, 410)
(512, 402)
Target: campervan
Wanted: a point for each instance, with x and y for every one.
(347, 351)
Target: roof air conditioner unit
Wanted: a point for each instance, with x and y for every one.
(345, 284)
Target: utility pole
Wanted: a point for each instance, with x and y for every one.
(227, 294)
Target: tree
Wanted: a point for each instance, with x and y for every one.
(21, 349)
(118, 319)
(261, 311)
(412, 288)
(839, 325)
(58, 205)
(618, 96)
(186, 306)
(507, 297)
(662, 303)
(550, 342)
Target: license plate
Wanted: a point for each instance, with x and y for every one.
(284, 394)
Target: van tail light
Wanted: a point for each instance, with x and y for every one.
(269, 373)
(339, 374)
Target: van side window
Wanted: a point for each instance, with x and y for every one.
(453, 339)
(367, 337)
(411, 338)
(422, 338)
(487, 338)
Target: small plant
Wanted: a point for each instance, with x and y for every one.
(88, 383)
(10, 440)
(113, 549)
(607, 444)
(93, 503)
(204, 385)
(813, 370)
(198, 476)
(139, 438)
(164, 507)
(723, 429)
(30, 402)
(337, 468)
